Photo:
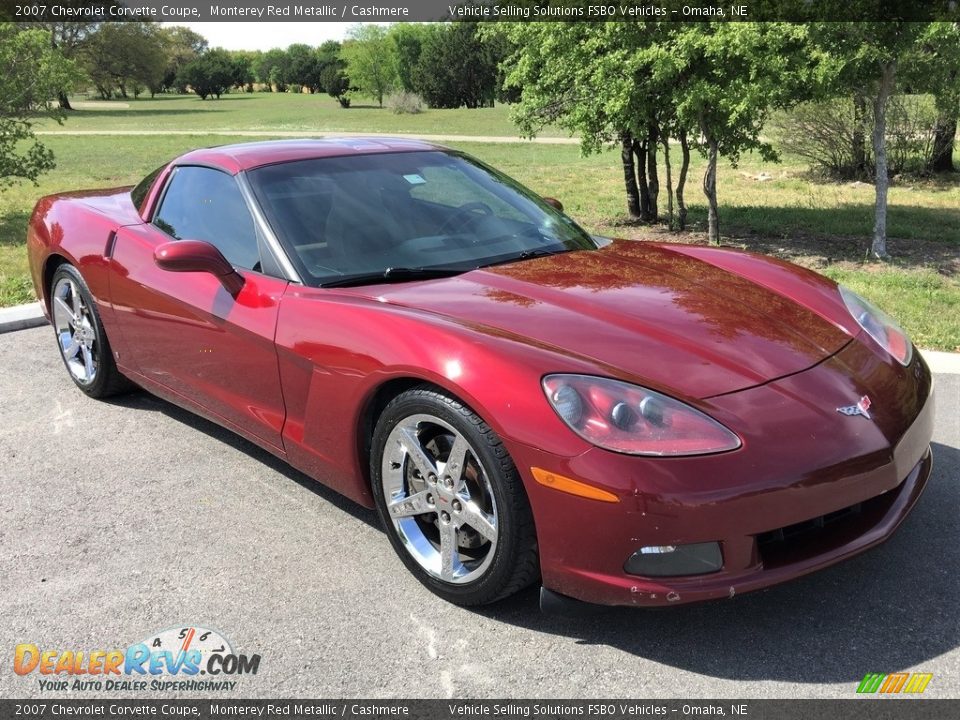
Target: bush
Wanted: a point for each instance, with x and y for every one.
(911, 127)
(835, 135)
(405, 103)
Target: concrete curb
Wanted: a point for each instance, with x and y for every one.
(21, 317)
(942, 362)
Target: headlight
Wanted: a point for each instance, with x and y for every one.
(878, 325)
(630, 419)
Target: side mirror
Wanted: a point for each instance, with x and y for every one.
(554, 203)
(198, 256)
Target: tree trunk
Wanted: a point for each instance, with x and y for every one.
(858, 149)
(682, 181)
(630, 175)
(640, 153)
(710, 189)
(941, 158)
(665, 139)
(653, 182)
(64, 101)
(888, 75)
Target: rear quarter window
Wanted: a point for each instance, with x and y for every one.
(139, 193)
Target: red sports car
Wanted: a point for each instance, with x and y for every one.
(634, 423)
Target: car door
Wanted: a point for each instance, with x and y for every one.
(183, 330)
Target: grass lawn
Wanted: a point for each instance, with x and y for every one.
(776, 209)
(278, 112)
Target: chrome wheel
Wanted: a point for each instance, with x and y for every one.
(439, 499)
(74, 324)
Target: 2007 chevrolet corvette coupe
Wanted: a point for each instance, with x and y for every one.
(634, 423)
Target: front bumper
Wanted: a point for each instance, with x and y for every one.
(810, 487)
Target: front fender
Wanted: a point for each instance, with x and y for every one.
(336, 351)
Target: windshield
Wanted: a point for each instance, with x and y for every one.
(373, 215)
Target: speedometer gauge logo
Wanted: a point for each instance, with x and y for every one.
(199, 641)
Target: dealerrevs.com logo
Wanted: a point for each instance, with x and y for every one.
(171, 660)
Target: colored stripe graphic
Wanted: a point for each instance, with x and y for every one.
(918, 682)
(893, 683)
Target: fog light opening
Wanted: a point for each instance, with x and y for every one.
(675, 560)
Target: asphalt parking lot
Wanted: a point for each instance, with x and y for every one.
(122, 518)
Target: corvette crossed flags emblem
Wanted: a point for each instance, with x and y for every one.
(861, 408)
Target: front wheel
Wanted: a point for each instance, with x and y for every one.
(83, 344)
(451, 500)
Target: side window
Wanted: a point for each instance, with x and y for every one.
(205, 204)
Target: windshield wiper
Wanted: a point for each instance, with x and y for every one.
(526, 255)
(394, 274)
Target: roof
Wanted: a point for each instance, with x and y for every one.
(246, 156)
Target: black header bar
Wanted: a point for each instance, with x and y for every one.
(355, 11)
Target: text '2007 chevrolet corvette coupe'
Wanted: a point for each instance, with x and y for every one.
(629, 423)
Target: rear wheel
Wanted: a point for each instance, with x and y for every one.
(81, 339)
(451, 500)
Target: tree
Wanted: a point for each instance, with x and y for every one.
(731, 76)
(336, 84)
(303, 67)
(638, 84)
(273, 70)
(370, 61)
(34, 75)
(333, 77)
(588, 78)
(408, 39)
(210, 74)
(69, 36)
(181, 46)
(242, 62)
(866, 57)
(455, 68)
(937, 70)
(125, 56)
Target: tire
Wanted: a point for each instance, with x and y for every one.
(479, 507)
(81, 339)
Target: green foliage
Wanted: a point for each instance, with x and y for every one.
(730, 75)
(408, 40)
(638, 83)
(243, 62)
(210, 74)
(370, 60)
(273, 69)
(303, 67)
(455, 68)
(34, 74)
(336, 83)
(181, 46)
(125, 57)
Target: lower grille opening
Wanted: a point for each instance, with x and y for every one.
(797, 542)
(796, 531)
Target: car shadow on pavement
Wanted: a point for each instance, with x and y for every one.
(143, 401)
(892, 608)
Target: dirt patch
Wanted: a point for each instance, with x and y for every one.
(99, 105)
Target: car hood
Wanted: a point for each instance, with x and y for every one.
(645, 311)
